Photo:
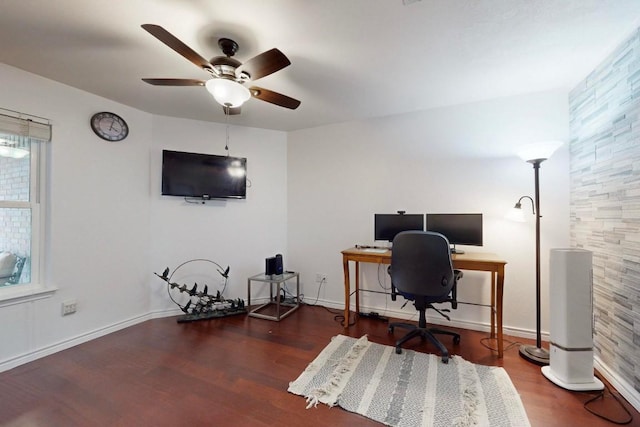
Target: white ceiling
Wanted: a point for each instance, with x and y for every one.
(351, 59)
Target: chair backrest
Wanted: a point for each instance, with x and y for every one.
(421, 264)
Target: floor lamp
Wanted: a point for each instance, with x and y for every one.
(536, 154)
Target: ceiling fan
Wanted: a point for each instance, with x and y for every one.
(229, 77)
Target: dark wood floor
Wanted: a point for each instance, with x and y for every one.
(234, 371)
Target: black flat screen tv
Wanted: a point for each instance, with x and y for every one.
(459, 228)
(205, 176)
(386, 226)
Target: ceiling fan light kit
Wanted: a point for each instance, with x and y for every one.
(228, 93)
(228, 75)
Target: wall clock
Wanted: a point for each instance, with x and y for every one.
(109, 126)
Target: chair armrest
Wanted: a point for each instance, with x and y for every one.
(457, 274)
(394, 291)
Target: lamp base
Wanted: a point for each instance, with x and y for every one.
(593, 385)
(534, 354)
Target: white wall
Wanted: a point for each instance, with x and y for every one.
(109, 227)
(98, 221)
(235, 233)
(455, 159)
(313, 193)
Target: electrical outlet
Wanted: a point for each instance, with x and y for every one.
(69, 307)
(321, 277)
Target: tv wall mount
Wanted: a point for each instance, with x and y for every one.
(201, 305)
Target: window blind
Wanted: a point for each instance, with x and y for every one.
(27, 128)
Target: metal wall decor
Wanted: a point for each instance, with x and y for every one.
(200, 304)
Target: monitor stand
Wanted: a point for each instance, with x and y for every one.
(456, 251)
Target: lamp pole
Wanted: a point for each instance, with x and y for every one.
(536, 354)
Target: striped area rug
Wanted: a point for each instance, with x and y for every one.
(409, 389)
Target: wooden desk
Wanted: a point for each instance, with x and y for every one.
(476, 261)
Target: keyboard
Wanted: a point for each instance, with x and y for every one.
(374, 250)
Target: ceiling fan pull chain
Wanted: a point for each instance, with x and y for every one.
(226, 114)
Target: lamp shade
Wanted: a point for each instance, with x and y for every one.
(538, 150)
(228, 93)
(515, 214)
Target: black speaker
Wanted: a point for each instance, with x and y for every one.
(270, 266)
(279, 264)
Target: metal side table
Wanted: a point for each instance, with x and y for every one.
(276, 302)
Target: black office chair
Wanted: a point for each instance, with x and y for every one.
(421, 271)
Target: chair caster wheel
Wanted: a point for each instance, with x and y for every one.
(456, 340)
(390, 329)
(445, 360)
(398, 350)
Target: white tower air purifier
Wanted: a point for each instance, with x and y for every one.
(571, 315)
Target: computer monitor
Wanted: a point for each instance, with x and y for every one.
(388, 225)
(459, 229)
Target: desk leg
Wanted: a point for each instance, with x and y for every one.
(357, 288)
(493, 304)
(500, 288)
(347, 291)
(248, 294)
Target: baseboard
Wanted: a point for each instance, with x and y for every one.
(456, 323)
(621, 385)
(13, 362)
(88, 336)
(21, 359)
(167, 312)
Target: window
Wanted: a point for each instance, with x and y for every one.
(22, 172)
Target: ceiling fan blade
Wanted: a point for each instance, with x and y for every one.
(231, 111)
(170, 40)
(274, 97)
(174, 82)
(264, 64)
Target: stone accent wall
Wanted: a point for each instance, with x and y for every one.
(605, 201)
